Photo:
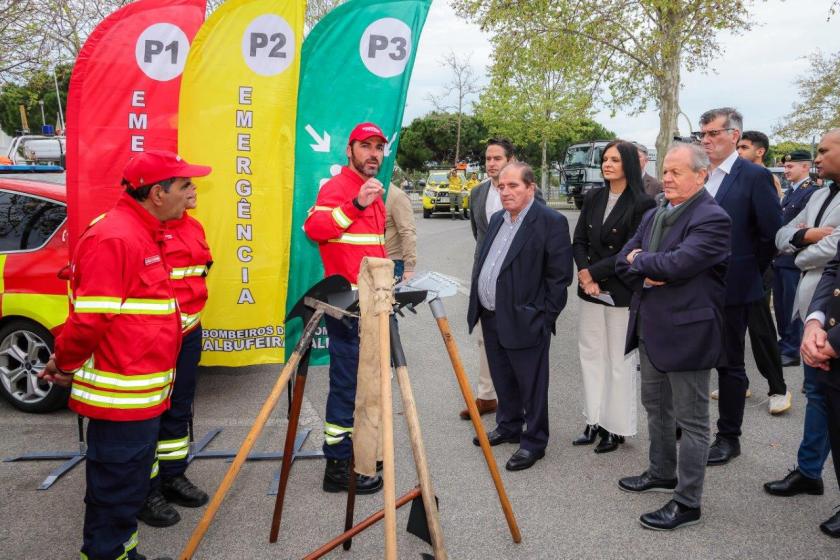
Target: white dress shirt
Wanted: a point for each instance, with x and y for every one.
(493, 203)
(720, 172)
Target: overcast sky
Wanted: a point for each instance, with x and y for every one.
(755, 71)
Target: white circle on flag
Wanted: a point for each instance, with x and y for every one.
(385, 47)
(268, 45)
(161, 51)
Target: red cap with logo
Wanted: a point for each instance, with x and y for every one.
(364, 131)
(154, 166)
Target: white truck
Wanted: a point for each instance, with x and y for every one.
(582, 168)
(37, 149)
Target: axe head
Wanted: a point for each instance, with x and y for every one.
(417, 524)
(323, 290)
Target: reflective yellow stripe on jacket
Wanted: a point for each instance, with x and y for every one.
(130, 306)
(360, 239)
(188, 271)
(115, 390)
(188, 320)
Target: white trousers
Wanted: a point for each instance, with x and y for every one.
(609, 377)
(485, 390)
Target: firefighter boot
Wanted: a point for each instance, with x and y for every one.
(337, 479)
(157, 512)
(179, 490)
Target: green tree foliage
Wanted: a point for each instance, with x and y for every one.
(432, 139)
(818, 108)
(40, 86)
(531, 98)
(780, 150)
(631, 51)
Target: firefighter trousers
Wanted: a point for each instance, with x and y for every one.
(173, 444)
(118, 462)
(341, 401)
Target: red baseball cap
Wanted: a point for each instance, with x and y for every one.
(154, 166)
(366, 130)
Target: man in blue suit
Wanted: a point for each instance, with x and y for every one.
(519, 287)
(745, 190)
(676, 264)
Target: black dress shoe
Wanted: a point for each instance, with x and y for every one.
(524, 459)
(795, 483)
(337, 479)
(609, 442)
(179, 490)
(590, 432)
(496, 437)
(157, 512)
(723, 450)
(646, 483)
(790, 361)
(831, 526)
(670, 516)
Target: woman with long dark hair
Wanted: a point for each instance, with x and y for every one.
(608, 218)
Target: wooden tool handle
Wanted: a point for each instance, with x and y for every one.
(461, 376)
(251, 438)
(422, 464)
(390, 497)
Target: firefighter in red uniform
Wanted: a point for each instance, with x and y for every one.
(119, 346)
(348, 223)
(188, 257)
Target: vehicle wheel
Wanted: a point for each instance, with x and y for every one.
(25, 348)
(578, 203)
(427, 213)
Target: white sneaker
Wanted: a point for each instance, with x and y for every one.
(780, 403)
(716, 394)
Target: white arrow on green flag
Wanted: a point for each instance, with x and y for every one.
(355, 67)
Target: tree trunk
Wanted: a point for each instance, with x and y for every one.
(668, 95)
(458, 139)
(544, 168)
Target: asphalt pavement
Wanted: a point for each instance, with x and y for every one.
(568, 505)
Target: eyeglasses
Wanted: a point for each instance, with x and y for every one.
(711, 133)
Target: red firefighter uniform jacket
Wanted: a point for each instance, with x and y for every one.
(344, 233)
(188, 256)
(123, 334)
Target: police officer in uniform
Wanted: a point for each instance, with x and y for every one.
(821, 341)
(785, 273)
(119, 346)
(348, 224)
(189, 260)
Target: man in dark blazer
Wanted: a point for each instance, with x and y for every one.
(745, 190)
(821, 340)
(676, 262)
(518, 289)
(653, 186)
(484, 202)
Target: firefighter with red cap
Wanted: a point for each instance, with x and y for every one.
(348, 223)
(118, 349)
(188, 257)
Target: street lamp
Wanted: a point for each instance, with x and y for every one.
(43, 118)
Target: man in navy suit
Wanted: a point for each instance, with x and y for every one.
(518, 289)
(745, 190)
(676, 264)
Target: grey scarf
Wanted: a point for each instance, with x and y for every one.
(665, 218)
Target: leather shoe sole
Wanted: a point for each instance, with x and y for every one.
(831, 526)
(483, 406)
(720, 455)
(523, 459)
(495, 438)
(655, 528)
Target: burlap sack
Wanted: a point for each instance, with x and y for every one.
(376, 296)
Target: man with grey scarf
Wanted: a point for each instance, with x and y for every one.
(676, 263)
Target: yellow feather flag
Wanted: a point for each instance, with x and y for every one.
(237, 113)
